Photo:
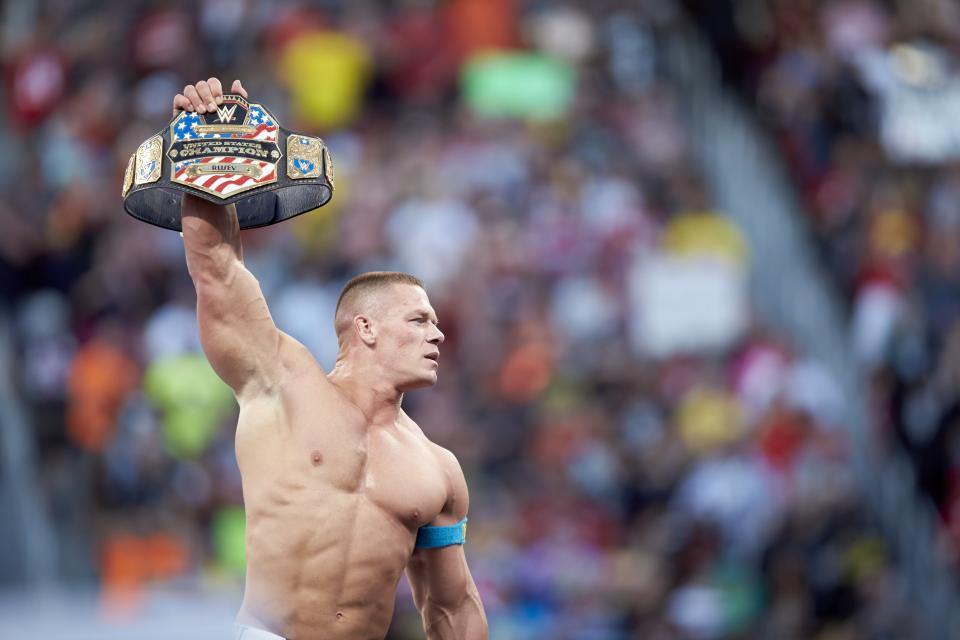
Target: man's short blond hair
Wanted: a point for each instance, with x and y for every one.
(365, 284)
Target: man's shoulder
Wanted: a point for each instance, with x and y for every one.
(297, 366)
(444, 456)
(450, 465)
(294, 353)
(448, 457)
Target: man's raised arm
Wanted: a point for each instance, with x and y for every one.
(237, 331)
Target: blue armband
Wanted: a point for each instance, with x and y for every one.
(432, 537)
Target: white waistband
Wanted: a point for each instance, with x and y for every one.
(251, 633)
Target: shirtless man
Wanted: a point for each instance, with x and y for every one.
(343, 491)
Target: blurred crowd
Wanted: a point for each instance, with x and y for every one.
(861, 96)
(646, 459)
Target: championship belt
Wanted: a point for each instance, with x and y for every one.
(239, 155)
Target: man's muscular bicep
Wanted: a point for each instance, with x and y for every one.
(440, 575)
(237, 331)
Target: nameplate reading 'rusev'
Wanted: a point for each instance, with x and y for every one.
(237, 154)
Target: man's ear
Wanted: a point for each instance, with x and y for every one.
(364, 329)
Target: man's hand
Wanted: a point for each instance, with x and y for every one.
(204, 96)
(201, 98)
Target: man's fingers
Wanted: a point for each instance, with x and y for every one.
(238, 88)
(205, 94)
(191, 93)
(216, 89)
(181, 103)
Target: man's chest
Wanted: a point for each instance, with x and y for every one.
(306, 455)
(395, 471)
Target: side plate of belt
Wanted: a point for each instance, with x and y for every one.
(238, 154)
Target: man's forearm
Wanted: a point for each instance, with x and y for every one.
(211, 237)
(464, 622)
(211, 232)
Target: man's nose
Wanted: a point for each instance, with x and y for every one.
(438, 337)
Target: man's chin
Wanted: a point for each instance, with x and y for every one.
(426, 381)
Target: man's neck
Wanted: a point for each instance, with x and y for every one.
(379, 402)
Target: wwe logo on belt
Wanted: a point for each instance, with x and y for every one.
(225, 114)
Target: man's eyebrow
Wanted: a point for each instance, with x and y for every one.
(429, 313)
(426, 313)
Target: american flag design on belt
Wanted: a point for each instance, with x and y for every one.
(257, 124)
